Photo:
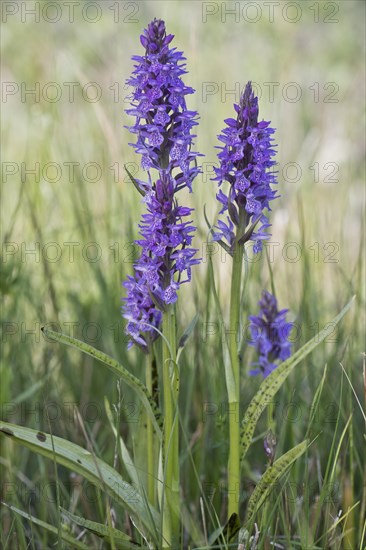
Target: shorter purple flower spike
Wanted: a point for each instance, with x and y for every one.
(270, 332)
(246, 162)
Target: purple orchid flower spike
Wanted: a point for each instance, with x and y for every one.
(270, 333)
(163, 126)
(163, 123)
(246, 163)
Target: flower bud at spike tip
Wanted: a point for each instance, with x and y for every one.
(270, 444)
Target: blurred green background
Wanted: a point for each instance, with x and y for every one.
(79, 212)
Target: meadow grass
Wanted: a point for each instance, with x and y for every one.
(321, 502)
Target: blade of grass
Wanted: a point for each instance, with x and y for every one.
(118, 369)
(81, 461)
(46, 526)
(121, 540)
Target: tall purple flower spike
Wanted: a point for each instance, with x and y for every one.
(163, 127)
(270, 332)
(245, 162)
(163, 123)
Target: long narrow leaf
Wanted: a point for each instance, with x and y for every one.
(118, 369)
(83, 462)
(50, 528)
(121, 540)
(271, 476)
(124, 454)
(274, 381)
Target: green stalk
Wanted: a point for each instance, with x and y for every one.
(150, 436)
(171, 524)
(270, 417)
(234, 396)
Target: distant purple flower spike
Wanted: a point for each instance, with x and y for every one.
(163, 127)
(246, 162)
(270, 332)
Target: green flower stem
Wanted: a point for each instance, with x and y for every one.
(270, 417)
(171, 432)
(150, 436)
(234, 396)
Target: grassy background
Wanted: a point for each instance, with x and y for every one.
(320, 212)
